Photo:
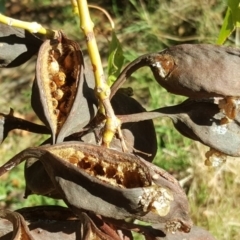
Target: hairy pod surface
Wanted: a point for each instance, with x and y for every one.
(60, 94)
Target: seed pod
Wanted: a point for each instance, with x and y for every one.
(58, 83)
(201, 121)
(114, 184)
(140, 136)
(192, 70)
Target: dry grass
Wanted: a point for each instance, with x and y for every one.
(214, 196)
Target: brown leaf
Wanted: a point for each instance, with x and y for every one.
(16, 46)
(20, 230)
(49, 222)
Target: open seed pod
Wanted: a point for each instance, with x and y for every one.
(192, 70)
(60, 95)
(14, 228)
(18, 46)
(201, 121)
(114, 184)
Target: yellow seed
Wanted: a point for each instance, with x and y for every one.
(54, 102)
(53, 86)
(58, 94)
(59, 78)
(53, 66)
(73, 159)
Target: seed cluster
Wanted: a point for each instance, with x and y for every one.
(172, 226)
(61, 81)
(121, 174)
(156, 199)
(230, 107)
(215, 158)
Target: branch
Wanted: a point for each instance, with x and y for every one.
(32, 27)
(102, 89)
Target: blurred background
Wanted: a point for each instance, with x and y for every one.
(142, 26)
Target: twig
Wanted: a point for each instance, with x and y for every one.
(32, 27)
(102, 89)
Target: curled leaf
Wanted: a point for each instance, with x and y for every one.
(8, 122)
(20, 230)
(50, 222)
(115, 59)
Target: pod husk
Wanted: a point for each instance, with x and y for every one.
(192, 70)
(144, 191)
(71, 112)
(110, 201)
(201, 121)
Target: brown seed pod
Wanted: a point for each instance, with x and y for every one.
(200, 120)
(59, 82)
(192, 70)
(114, 184)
